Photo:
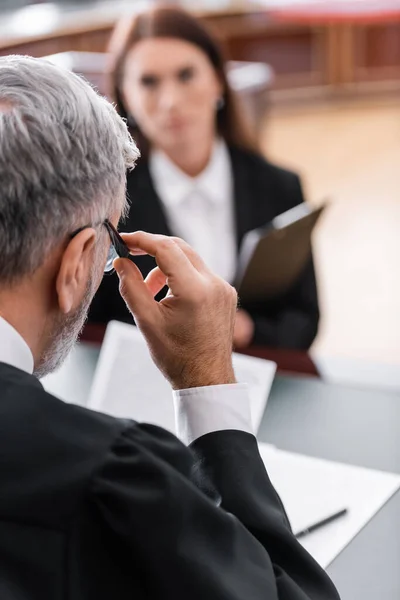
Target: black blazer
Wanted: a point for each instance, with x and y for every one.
(261, 192)
(95, 508)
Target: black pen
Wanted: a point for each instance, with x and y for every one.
(322, 523)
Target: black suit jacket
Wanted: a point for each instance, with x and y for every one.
(261, 192)
(95, 508)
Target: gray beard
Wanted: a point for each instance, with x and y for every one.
(63, 335)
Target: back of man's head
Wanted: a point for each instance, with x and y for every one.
(64, 152)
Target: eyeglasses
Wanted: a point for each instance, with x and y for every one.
(118, 248)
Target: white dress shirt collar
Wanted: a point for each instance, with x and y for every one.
(200, 209)
(14, 350)
(177, 185)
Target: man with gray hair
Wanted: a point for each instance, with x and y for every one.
(93, 507)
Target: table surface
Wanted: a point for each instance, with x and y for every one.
(337, 422)
(356, 426)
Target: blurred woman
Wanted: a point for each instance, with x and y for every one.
(200, 176)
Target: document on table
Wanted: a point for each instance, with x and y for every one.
(358, 372)
(128, 384)
(312, 489)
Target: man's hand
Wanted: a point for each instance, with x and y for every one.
(244, 329)
(190, 332)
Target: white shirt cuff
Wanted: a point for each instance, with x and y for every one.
(202, 410)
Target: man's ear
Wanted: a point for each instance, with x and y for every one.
(74, 272)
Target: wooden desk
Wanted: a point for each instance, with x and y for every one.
(288, 361)
(335, 422)
(332, 370)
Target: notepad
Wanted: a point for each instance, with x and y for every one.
(311, 489)
(273, 257)
(128, 384)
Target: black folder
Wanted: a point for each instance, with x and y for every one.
(273, 257)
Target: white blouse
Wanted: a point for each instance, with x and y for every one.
(200, 209)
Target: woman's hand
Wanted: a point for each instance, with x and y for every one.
(244, 329)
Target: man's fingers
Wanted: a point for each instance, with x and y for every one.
(155, 281)
(138, 237)
(174, 263)
(192, 255)
(134, 290)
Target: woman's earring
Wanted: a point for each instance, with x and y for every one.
(131, 121)
(220, 103)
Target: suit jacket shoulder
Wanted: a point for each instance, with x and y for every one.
(44, 439)
(283, 185)
(96, 507)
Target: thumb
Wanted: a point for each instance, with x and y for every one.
(134, 290)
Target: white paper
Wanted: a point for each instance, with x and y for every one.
(358, 372)
(312, 489)
(127, 383)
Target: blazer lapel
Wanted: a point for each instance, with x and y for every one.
(146, 207)
(257, 199)
(242, 193)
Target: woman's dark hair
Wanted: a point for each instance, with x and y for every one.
(174, 23)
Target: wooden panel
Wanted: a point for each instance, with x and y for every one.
(87, 41)
(298, 57)
(286, 53)
(377, 52)
(335, 58)
(382, 46)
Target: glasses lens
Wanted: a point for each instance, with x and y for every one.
(112, 255)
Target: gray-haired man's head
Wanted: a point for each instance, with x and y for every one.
(64, 152)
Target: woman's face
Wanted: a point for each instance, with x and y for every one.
(171, 89)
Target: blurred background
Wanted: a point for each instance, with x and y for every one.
(323, 97)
